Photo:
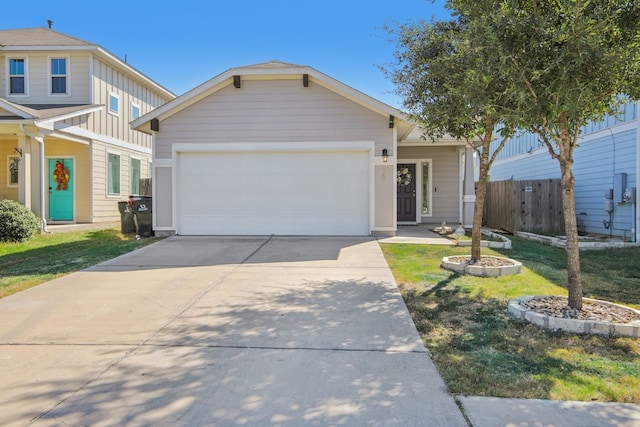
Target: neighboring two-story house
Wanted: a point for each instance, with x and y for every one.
(606, 168)
(66, 148)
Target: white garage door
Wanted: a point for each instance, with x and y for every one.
(282, 193)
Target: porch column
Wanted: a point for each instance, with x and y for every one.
(469, 189)
(24, 172)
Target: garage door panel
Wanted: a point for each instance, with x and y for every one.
(287, 193)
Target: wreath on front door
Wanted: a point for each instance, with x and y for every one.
(404, 177)
(61, 176)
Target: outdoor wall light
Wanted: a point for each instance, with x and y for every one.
(385, 155)
(18, 151)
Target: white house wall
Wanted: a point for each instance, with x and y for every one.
(596, 161)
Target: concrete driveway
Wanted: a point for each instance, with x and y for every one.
(221, 331)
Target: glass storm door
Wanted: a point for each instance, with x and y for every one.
(61, 179)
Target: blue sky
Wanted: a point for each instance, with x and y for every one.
(181, 44)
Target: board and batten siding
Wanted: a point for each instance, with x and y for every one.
(109, 80)
(596, 161)
(446, 175)
(273, 111)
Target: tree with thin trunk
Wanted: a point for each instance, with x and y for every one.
(564, 63)
(448, 88)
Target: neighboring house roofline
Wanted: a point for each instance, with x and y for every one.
(272, 70)
(63, 42)
(47, 113)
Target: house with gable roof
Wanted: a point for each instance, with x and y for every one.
(67, 151)
(279, 148)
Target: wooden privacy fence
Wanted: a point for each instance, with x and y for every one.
(145, 186)
(534, 206)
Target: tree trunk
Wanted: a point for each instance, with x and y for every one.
(481, 191)
(478, 210)
(571, 229)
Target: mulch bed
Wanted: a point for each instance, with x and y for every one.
(557, 306)
(485, 261)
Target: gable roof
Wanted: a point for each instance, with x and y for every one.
(266, 70)
(46, 39)
(38, 37)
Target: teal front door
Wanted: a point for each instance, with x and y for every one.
(61, 180)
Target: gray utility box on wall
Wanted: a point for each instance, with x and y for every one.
(619, 187)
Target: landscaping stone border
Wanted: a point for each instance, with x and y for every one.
(577, 326)
(582, 244)
(504, 243)
(482, 270)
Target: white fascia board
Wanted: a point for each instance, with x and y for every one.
(49, 122)
(178, 104)
(139, 75)
(272, 146)
(14, 110)
(428, 143)
(83, 133)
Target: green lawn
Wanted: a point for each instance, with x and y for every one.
(479, 350)
(47, 256)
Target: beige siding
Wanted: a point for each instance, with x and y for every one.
(6, 151)
(164, 200)
(384, 203)
(108, 80)
(105, 207)
(445, 179)
(273, 111)
(6, 113)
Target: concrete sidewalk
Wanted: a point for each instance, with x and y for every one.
(221, 331)
(500, 412)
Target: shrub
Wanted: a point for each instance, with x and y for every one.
(17, 223)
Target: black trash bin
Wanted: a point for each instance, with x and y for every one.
(127, 224)
(142, 211)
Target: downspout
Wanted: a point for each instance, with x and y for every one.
(40, 140)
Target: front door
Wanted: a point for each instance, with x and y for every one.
(61, 179)
(406, 181)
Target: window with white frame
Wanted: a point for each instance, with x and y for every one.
(12, 171)
(114, 104)
(135, 176)
(113, 174)
(135, 111)
(17, 76)
(58, 71)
